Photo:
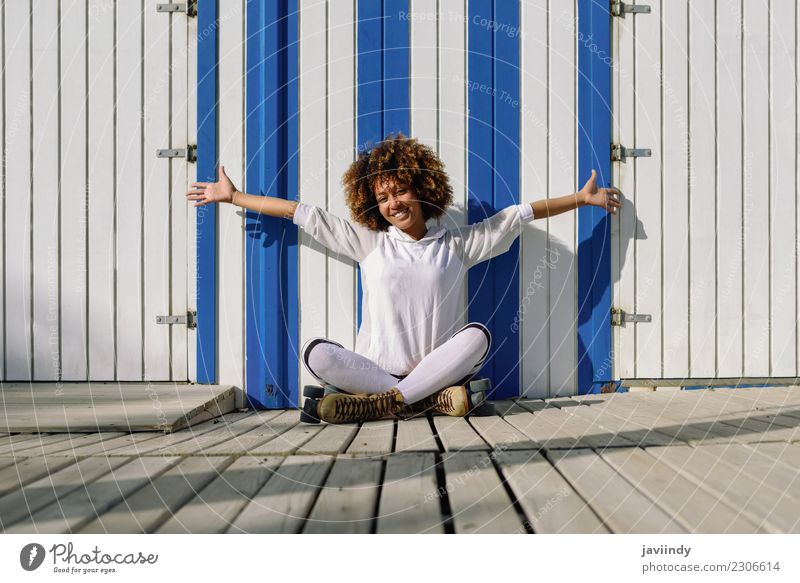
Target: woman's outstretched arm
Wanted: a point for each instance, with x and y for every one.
(590, 194)
(224, 191)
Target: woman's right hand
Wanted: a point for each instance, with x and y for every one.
(206, 192)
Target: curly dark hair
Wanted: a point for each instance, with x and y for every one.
(405, 160)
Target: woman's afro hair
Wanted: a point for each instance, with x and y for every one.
(405, 160)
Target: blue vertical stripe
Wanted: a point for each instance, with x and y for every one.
(594, 224)
(271, 242)
(206, 229)
(382, 77)
(493, 177)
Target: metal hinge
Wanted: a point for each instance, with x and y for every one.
(190, 319)
(619, 317)
(190, 7)
(620, 152)
(190, 153)
(619, 8)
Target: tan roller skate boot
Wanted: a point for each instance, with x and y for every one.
(349, 408)
(455, 401)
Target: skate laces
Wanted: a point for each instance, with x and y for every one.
(446, 400)
(441, 401)
(360, 408)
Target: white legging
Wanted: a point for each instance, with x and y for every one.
(453, 363)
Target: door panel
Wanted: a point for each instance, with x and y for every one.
(706, 240)
(98, 223)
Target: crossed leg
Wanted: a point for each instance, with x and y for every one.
(452, 363)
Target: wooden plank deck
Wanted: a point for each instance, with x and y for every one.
(703, 461)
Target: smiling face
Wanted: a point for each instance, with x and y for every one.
(398, 203)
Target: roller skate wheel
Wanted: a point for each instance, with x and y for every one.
(485, 409)
(308, 414)
(479, 386)
(313, 391)
(477, 399)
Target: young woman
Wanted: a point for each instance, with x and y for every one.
(409, 357)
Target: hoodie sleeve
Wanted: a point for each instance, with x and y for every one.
(492, 236)
(339, 235)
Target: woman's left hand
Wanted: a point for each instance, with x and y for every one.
(607, 198)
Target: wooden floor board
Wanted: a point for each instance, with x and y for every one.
(70, 512)
(548, 500)
(240, 437)
(211, 432)
(415, 435)
(500, 434)
(554, 428)
(151, 506)
(478, 501)
(286, 443)
(282, 505)
(21, 442)
(347, 501)
(19, 504)
(214, 508)
(456, 434)
(24, 470)
(622, 507)
(694, 508)
(410, 500)
(376, 437)
(771, 509)
(637, 433)
(331, 440)
(785, 453)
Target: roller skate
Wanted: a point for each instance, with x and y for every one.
(335, 406)
(455, 401)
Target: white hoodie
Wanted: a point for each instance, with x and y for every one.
(412, 290)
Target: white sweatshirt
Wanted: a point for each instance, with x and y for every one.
(412, 290)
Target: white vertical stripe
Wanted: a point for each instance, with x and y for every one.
(156, 194)
(424, 66)
(702, 235)
(756, 189)
(533, 314)
(2, 197)
(190, 210)
(74, 225)
(452, 113)
(179, 172)
(624, 228)
(129, 192)
(561, 181)
(312, 120)
(18, 180)
(729, 189)
(339, 134)
(45, 195)
(101, 191)
(674, 250)
(783, 193)
(647, 201)
(231, 241)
